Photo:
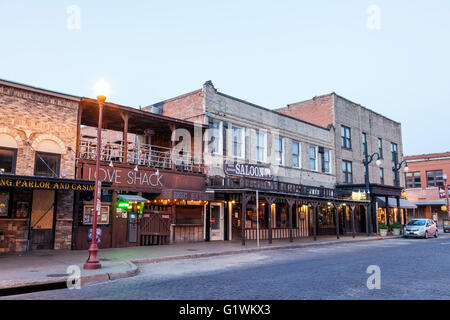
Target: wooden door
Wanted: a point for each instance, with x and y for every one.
(42, 215)
(154, 228)
(119, 230)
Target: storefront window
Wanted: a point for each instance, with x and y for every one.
(7, 160)
(4, 204)
(47, 164)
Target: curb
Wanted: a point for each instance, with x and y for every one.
(60, 283)
(240, 251)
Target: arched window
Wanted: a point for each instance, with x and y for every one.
(8, 154)
(47, 159)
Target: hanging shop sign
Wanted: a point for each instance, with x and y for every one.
(442, 192)
(143, 179)
(48, 184)
(256, 171)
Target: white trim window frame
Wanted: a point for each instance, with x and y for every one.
(261, 145)
(327, 160)
(312, 160)
(296, 155)
(238, 141)
(216, 132)
(278, 150)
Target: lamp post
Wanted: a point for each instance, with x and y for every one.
(396, 168)
(101, 89)
(447, 202)
(367, 160)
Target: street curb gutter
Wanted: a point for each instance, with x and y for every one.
(61, 283)
(134, 270)
(240, 251)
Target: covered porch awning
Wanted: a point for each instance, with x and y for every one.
(392, 202)
(131, 198)
(430, 203)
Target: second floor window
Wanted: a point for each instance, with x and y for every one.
(238, 142)
(295, 154)
(312, 158)
(216, 135)
(364, 142)
(413, 180)
(394, 151)
(435, 178)
(260, 147)
(346, 138)
(326, 161)
(279, 151)
(8, 160)
(47, 164)
(380, 147)
(347, 171)
(381, 176)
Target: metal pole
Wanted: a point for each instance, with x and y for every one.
(369, 197)
(93, 262)
(257, 218)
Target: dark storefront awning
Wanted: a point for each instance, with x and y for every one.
(32, 182)
(430, 203)
(404, 204)
(177, 194)
(131, 198)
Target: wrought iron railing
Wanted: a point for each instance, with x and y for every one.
(271, 186)
(142, 154)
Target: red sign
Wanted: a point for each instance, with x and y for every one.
(124, 177)
(165, 216)
(442, 191)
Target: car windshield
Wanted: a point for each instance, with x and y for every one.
(416, 223)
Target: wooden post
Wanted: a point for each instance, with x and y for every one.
(243, 216)
(336, 212)
(77, 147)
(270, 201)
(173, 127)
(125, 117)
(352, 208)
(315, 205)
(291, 203)
(367, 219)
(386, 206)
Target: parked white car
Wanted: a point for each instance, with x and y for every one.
(422, 228)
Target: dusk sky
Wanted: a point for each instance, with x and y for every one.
(270, 53)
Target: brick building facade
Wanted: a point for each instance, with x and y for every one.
(37, 138)
(297, 157)
(425, 176)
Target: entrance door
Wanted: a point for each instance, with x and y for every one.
(42, 212)
(217, 221)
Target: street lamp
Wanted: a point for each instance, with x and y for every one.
(367, 160)
(396, 168)
(101, 89)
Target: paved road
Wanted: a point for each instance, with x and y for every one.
(410, 269)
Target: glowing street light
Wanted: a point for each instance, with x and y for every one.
(101, 90)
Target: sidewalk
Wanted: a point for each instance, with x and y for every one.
(50, 266)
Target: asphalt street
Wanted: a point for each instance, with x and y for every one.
(409, 269)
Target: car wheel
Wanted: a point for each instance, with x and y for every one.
(426, 235)
(436, 234)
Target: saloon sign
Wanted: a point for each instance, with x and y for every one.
(247, 170)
